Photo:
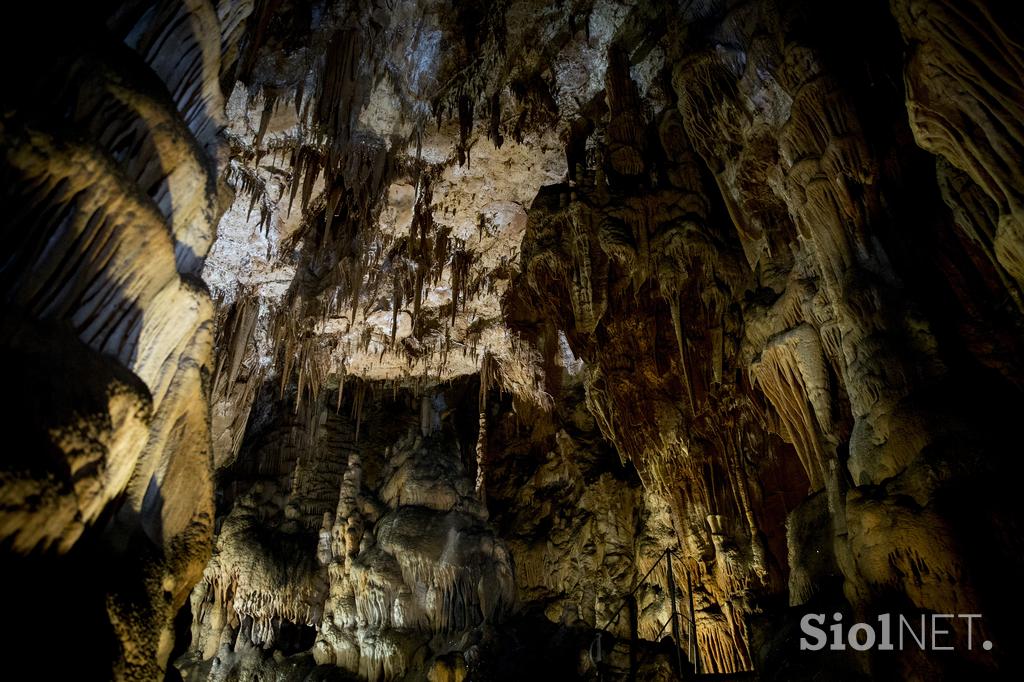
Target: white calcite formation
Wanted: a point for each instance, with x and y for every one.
(384, 575)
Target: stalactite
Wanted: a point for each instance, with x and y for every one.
(677, 326)
(337, 86)
(236, 334)
(758, 553)
(358, 399)
(465, 105)
(495, 127)
(461, 264)
(285, 335)
(791, 373)
(299, 393)
(270, 98)
(586, 310)
(486, 379)
(249, 183)
(481, 458)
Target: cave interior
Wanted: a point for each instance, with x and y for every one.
(520, 340)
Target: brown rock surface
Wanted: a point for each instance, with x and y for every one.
(421, 340)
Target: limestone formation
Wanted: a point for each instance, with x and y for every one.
(598, 339)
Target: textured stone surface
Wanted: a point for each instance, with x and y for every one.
(404, 340)
(110, 190)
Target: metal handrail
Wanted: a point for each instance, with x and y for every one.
(639, 584)
(691, 623)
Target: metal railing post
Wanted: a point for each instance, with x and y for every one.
(694, 654)
(675, 614)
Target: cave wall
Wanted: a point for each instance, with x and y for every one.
(110, 200)
(735, 273)
(414, 334)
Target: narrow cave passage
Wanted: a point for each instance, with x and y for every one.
(454, 341)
